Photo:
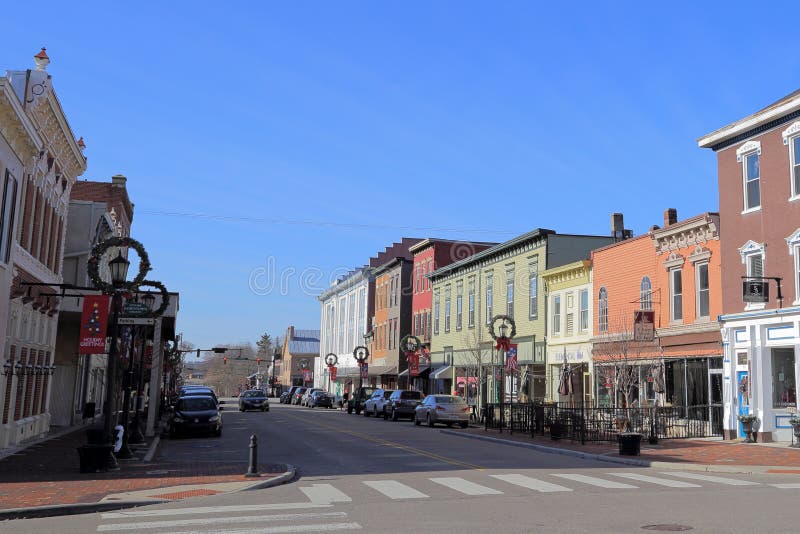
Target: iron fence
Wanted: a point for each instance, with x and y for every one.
(601, 423)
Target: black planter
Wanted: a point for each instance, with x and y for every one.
(556, 430)
(747, 428)
(796, 431)
(95, 458)
(630, 443)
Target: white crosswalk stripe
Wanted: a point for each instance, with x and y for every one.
(709, 478)
(324, 494)
(395, 490)
(319, 527)
(531, 483)
(465, 486)
(230, 520)
(130, 514)
(656, 480)
(791, 485)
(594, 481)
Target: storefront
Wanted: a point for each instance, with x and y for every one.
(760, 371)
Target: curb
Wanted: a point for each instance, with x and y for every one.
(287, 476)
(70, 509)
(706, 468)
(151, 451)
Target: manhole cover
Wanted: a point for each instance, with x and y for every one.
(669, 527)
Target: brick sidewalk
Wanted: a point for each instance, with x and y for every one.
(48, 474)
(696, 451)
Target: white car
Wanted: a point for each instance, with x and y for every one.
(445, 409)
(307, 395)
(374, 405)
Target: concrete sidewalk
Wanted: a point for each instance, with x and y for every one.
(698, 454)
(44, 479)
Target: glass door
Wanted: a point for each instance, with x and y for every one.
(715, 400)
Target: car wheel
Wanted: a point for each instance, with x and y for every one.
(385, 414)
(241, 409)
(366, 412)
(464, 424)
(428, 420)
(394, 415)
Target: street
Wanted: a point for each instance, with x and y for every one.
(358, 473)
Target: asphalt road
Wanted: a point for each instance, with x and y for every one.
(373, 475)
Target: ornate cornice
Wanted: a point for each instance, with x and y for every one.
(51, 124)
(791, 131)
(15, 126)
(570, 275)
(690, 233)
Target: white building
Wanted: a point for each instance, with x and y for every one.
(346, 313)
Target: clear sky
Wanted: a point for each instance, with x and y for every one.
(309, 135)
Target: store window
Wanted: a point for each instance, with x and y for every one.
(784, 393)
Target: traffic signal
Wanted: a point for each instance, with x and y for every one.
(198, 353)
(224, 360)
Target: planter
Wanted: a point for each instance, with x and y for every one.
(747, 428)
(796, 431)
(630, 443)
(556, 430)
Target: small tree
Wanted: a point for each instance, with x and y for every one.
(474, 360)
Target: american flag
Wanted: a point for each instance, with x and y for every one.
(511, 359)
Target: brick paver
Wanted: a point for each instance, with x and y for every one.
(698, 451)
(48, 474)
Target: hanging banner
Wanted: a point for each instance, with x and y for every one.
(511, 358)
(332, 371)
(413, 364)
(94, 321)
(365, 370)
(308, 375)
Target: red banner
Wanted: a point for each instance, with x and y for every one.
(365, 370)
(413, 364)
(94, 321)
(332, 372)
(308, 375)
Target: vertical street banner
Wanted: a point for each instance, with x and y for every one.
(511, 359)
(413, 364)
(365, 371)
(94, 321)
(333, 372)
(308, 375)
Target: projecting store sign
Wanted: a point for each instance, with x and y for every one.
(755, 291)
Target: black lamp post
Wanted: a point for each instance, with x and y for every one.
(136, 432)
(361, 354)
(119, 272)
(275, 356)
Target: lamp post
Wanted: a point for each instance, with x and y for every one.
(275, 356)
(502, 333)
(119, 272)
(136, 433)
(361, 354)
(331, 360)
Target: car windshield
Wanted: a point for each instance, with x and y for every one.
(447, 399)
(387, 394)
(192, 392)
(410, 395)
(249, 394)
(196, 404)
(319, 394)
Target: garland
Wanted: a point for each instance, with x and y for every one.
(355, 354)
(164, 297)
(331, 359)
(504, 318)
(93, 268)
(404, 343)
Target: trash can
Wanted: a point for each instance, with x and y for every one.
(88, 410)
(94, 458)
(630, 443)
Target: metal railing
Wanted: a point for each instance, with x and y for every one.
(594, 423)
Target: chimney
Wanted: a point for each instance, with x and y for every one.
(118, 180)
(291, 332)
(670, 216)
(42, 60)
(617, 226)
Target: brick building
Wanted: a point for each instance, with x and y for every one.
(758, 164)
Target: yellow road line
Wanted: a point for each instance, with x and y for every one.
(394, 444)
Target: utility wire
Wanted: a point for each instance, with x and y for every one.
(310, 222)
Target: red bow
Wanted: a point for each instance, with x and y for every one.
(503, 343)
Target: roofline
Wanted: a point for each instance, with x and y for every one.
(13, 99)
(389, 264)
(749, 122)
(434, 240)
(537, 233)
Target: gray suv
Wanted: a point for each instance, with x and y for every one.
(402, 403)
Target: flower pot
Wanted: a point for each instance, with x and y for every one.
(630, 443)
(747, 428)
(796, 431)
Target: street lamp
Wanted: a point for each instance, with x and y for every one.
(275, 356)
(136, 435)
(331, 360)
(119, 273)
(501, 334)
(361, 354)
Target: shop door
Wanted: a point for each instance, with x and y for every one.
(742, 397)
(715, 401)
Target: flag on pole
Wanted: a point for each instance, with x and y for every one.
(511, 359)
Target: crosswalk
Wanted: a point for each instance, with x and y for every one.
(320, 508)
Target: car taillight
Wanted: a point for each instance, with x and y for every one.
(466, 408)
(440, 408)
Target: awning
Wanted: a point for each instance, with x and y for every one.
(422, 369)
(381, 370)
(440, 371)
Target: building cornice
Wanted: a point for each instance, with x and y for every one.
(15, 125)
(362, 275)
(693, 232)
(570, 275)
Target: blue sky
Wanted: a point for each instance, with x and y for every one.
(481, 122)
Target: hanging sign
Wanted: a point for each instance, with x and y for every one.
(307, 375)
(413, 364)
(332, 372)
(94, 320)
(365, 370)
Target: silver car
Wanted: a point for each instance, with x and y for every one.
(446, 409)
(307, 395)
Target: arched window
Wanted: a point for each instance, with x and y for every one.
(602, 310)
(646, 294)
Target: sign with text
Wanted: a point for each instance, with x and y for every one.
(413, 364)
(755, 291)
(308, 375)
(644, 325)
(94, 321)
(137, 320)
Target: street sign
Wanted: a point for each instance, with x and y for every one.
(755, 291)
(134, 308)
(644, 325)
(137, 320)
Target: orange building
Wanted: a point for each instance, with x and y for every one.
(658, 299)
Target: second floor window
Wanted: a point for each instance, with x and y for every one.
(646, 294)
(489, 295)
(676, 294)
(436, 312)
(584, 324)
(752, 182)
(510, 294)
(471, 303)
(459, 307)
(447, 309)
(556, 315)
(533, 292)
(702, 290)
(602, 310)
(7, 216)
(795, 162)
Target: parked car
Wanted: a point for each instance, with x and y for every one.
(402, 403)
(374, 404)
(288, 395)
(307, 395)
(196, 414)
(253, 399)
(298, 395)
(200, 392)
(358, 398)
(447, 409)
(320, 399)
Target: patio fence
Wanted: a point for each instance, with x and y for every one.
(602, 423)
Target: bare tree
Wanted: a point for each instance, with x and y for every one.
(475, 360)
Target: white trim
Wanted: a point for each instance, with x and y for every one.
(747, 148)
(751, 210)
(748, 123)
(791, 131)
(751, 247)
